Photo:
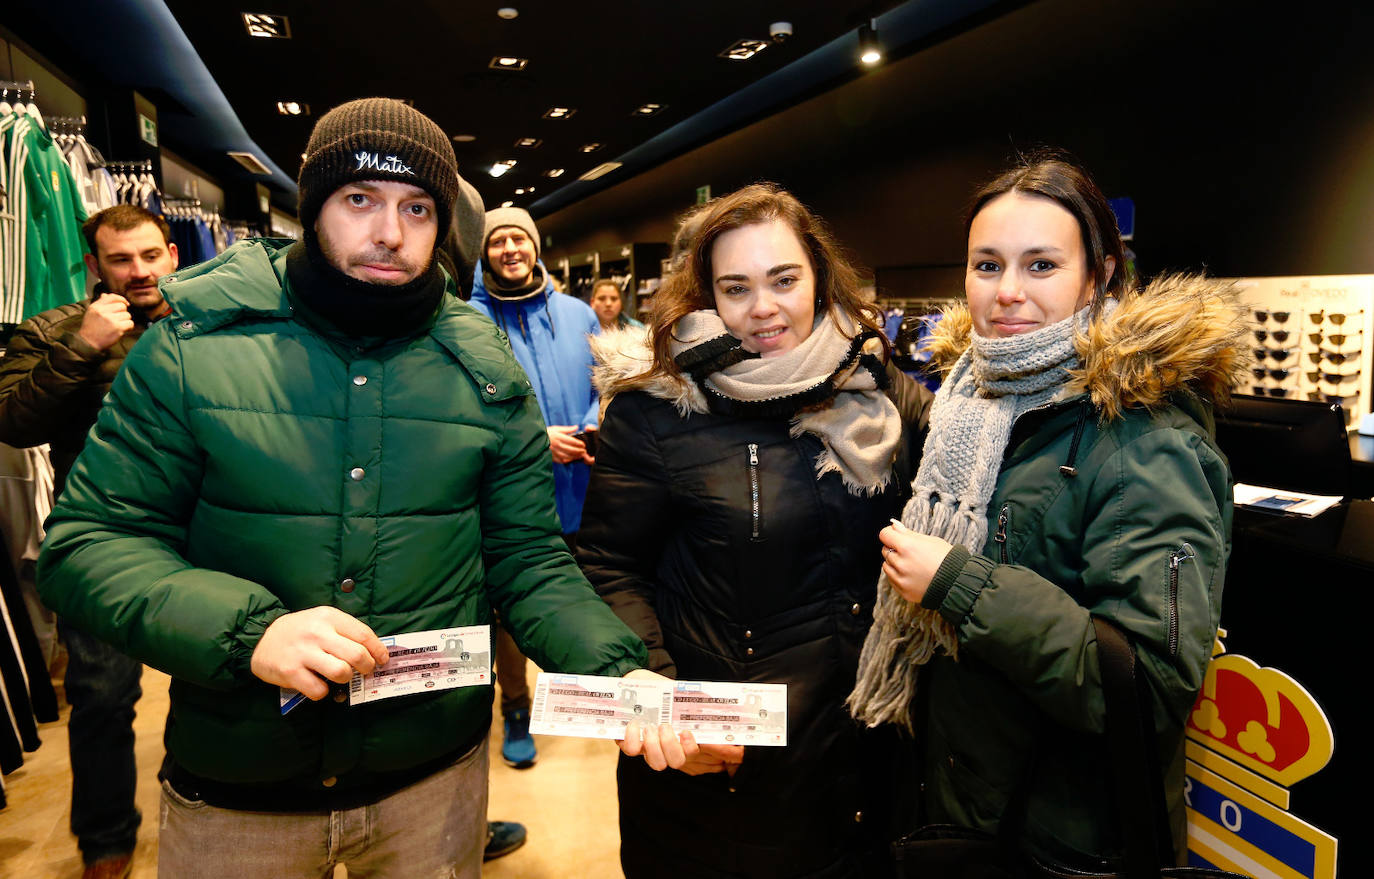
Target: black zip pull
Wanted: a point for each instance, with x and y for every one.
(1003, 519)
(1067, 469)
(754, 489)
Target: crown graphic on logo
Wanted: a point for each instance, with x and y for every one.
(1262, 719)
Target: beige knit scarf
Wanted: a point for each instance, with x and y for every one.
(827, 386)
(994, 382)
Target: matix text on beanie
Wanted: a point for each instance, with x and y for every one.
(378, 139)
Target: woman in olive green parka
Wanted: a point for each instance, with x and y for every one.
(1070, 471)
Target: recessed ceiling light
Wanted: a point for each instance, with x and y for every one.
(600, 170)
(528, 143)
(590, 147)
(464, 138)
(648, 109)
(293, 108)
(262, 24)
(508, 12)
(519, 192)
(508, 62)
(743, 50)
(554, 172)
(501, 167)
(559, 112)
(506, 204)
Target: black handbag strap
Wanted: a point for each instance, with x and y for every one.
(1137, 780)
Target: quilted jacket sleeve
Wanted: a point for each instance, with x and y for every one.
(1153, 559)
(626, 522)
(37, 376)
(553, 614)
(112, 563)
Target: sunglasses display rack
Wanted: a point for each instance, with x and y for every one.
(1308, 339)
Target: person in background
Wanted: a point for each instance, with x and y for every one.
(607, 304)
(322, 447)
(753, 445)
(1070, 472)
(56, 371)
(548, 334)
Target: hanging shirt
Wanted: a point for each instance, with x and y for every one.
(54, 270)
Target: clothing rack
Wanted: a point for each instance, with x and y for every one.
(59, 126)
(140, 167)
(18, 91)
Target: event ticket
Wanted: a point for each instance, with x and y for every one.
(715, 713)
(731, 714)
(420, 661)
(596, 707)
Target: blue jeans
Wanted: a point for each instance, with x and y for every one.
(102, 687)
(434, 829)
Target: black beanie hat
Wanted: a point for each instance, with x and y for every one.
(378, 139)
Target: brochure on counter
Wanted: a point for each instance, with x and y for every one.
(1274, 500)
(715, 713)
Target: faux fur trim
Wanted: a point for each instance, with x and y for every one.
(1182, 332)
(626, 354)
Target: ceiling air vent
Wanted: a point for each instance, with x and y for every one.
(250, 162)
(266, 25)
(600, 170)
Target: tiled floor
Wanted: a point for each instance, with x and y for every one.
(567, 800)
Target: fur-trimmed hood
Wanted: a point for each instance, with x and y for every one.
(626, 353)
(1182, 332)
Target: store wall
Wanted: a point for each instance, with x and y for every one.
(1244, 138)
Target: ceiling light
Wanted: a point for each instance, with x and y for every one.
(506, 204)
(648, 109)
(743, 50)
(251, 162)
(600, 170)
(501, 167)
(508, 62)
(528, 143)
(508, 12)
(559, 112)
(554, 172)
(262, 24)
(590, 147)
(870, 50)
(464, 138)
(293, 108)
(519, 192)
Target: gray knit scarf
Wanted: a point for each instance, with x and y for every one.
(826, 385)
(994, 382)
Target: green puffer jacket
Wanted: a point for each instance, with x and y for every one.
(249, 463)
(1139, 534)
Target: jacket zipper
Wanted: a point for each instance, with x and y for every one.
(1003, 520)
(1184, 553)
(754, 488)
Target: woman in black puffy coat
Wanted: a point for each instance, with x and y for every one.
(753, 445)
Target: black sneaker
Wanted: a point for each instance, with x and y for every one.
(503, 837)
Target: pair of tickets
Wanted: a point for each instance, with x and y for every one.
(419, 662)
(715, 713)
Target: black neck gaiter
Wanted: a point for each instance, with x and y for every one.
(531, 286)
(356, 307)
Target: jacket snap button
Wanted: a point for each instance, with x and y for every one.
(732, 790)
(340, 696)
(186, 325)
(858, 817)
(356, 474)
(749, 651)
(360, 380)
(748, 633)
(330, 781)
(347, 584)
(491, 389)
(855, 609)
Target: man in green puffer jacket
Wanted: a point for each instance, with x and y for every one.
(320, 447)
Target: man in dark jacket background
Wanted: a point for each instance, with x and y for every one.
(54, 375)
(321, 447)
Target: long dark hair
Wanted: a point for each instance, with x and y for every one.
(689, 288)
(1053, 175)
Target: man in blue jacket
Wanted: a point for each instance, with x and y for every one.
(548, 335)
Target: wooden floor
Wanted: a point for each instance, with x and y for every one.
(567, 800)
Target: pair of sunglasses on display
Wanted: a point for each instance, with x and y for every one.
(1263, 315)
(1337, 339)
(1276, 374)
(1278, 355)
(1335, 357)
(1336, 317)
(1334, 378)
(1261, 391)
(1280, 336)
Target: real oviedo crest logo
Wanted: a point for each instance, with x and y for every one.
(377, 162)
